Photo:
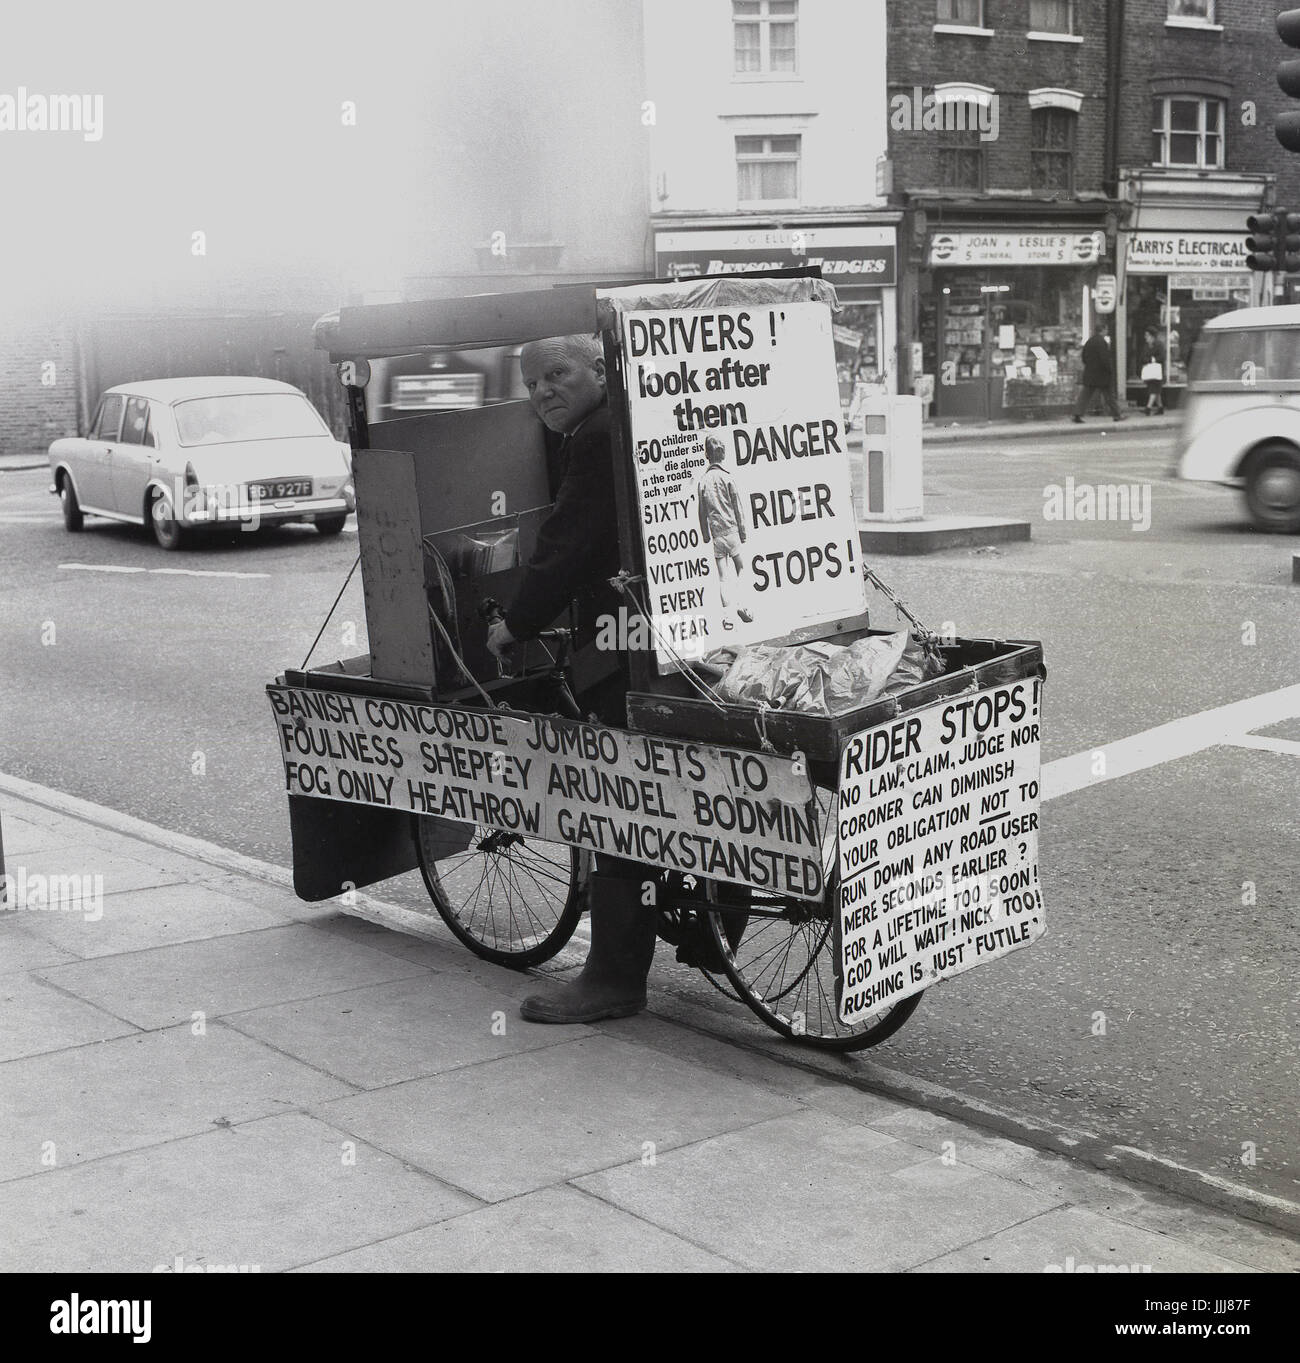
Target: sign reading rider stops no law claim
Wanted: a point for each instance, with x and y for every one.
(938, 844)
(785, 552)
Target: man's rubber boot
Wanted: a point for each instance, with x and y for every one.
(612, 983)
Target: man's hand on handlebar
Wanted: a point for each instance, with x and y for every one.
(499, 639)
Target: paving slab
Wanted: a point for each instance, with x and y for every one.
(1071, 1240)
(22, 837)
(810, 1192)
(36, 1018)
(388, 1033)
(22, 950)
(96, 872)
(226, 974)
(1066, 1181)
(554, 1230)
(274, 1194)
(152, 918)
(789, 1079)
(89, 1101)
(266, 895)
(514, 1125)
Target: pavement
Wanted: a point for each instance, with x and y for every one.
(16, 462)
(936, 433)
(198, 1070)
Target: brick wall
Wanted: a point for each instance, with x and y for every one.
(38, 386)
(1012, 65)
(1245, 55)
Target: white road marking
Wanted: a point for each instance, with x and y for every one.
(171, 572)
(1282, 745)
(1228, 724)
(99, 568)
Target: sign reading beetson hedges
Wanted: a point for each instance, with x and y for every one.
(938, 844)
(720, 813)
(766, 541)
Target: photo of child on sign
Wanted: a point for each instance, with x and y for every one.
(742, 473)
(722, 524)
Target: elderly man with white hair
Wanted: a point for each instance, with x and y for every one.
(575, 556)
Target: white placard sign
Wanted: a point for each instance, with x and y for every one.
(769, 533)
(938, 844)
(721, 813)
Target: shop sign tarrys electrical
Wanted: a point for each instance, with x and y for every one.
(1016, 248)
(1202, 252)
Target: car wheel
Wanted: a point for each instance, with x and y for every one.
(331, 525)
(1273, 489)
(167, 530)
(73, 520)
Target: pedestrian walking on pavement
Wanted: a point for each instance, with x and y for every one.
(1098, 377)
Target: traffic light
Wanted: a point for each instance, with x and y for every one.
(1274, 241)
(1287, 126)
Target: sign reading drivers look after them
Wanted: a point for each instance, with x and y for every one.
(761, 380)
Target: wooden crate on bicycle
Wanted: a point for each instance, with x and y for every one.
(829, 866)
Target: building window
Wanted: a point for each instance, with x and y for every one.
(767, 169)
(961, 153)
(765, 36)
(1188, 131)
(1192, 11)
(1051, 156)
(1051, 16)
(961, 13)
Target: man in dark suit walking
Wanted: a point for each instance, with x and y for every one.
(1098, 377)
(575, 556)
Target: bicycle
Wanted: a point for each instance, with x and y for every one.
(517, 902)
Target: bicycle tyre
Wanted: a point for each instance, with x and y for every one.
(510, 900)
(784, 966)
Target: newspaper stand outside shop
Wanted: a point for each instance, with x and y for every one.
(830, 867)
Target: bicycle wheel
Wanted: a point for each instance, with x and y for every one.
(785, 965)
(511, 900)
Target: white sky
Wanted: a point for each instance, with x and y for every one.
(222, 118)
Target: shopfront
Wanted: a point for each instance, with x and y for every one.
(860, 259)
(1004, 319)
(1182, 259)
(1175, 282)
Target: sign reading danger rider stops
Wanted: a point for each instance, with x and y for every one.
(937, 844)
(744, 494)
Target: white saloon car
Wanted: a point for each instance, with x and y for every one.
(177, 454)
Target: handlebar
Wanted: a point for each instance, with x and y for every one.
(491, 612)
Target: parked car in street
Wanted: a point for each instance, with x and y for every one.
(180, 454)
(1241, 416)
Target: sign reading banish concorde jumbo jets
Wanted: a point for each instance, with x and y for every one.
(743, 487)
(744, 817)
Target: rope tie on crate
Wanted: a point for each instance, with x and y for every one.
(622, 583)
(925, 636)
(760, 724)
(460, 662)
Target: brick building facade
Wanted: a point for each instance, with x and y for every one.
(39, 383)
(1197, 154)
(1003, 155)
